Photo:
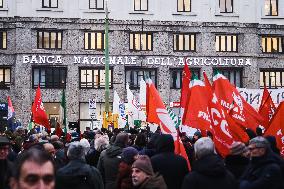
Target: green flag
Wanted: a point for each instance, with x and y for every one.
(62, 113)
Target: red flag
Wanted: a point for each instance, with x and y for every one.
(38, 111)
(225, 130)
(196, 114)
(157, 113)
(229, 97)
(267, 108)
(276, 128)
(186, 76)
(58, 130)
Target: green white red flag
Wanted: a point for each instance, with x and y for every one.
(196, 114)
(157, 113)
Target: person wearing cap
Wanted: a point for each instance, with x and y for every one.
(143, 176)
(238, 159)
(5, 164)
(124, 180)
(264, 169)
(197, 135)
(209, 170)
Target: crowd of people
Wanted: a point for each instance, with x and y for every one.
(135, 159)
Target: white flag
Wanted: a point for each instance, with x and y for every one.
(115, 104)
(142, 94)
(119, 109)
(93, 108)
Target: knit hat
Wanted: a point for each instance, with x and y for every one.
(144, 164)
(198, 134)
(128, 155)
(4, 141)
(237, 148)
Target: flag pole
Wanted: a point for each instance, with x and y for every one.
(106, 61)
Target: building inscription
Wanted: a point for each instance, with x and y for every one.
(132, 60)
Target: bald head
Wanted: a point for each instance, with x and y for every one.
(48, 147)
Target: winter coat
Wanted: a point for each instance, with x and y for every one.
(6, 168)
(124, 178)
(237, 164)
(209, 172)
(172, 167)
(154, 182)
(78, 174)
(263, 173)
(108, 165)
(93, 156)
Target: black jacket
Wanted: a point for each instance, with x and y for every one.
(263, 173)
(237, 164)
(108, 165)
(209, 172)
(172, 167)
(6, 168)
(78, 174)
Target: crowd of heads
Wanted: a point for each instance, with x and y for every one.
(37, 156)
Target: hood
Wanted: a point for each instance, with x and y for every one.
(155, 181)
(210, 165)
(113, 151)
(165, 143)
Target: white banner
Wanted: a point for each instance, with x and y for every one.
(254, 96)
(93, 108)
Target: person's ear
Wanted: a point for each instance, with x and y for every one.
(13, 183)
(262, 150)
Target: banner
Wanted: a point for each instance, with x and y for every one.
(254, 96)
(93, 108)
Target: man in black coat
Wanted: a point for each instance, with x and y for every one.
(208, 171)
(238, 159)
(264, 169)
(110, 159)
(77, 173)
(171, 166)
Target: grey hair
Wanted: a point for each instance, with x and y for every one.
(101, 143)
(76, 151)
(260, 142)
(203, 147)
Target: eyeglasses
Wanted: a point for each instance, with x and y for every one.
(33, 179)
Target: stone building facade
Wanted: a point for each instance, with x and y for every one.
(245, 42)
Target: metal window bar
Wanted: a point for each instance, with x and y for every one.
(1, 40)
(177, 42)
(49, 4)
(5, 84)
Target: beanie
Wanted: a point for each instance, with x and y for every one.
(237, 148)
(198, 134)
(128, 155)
(144, 164)
(4, 140)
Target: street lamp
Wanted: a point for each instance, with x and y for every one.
(106, 61)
